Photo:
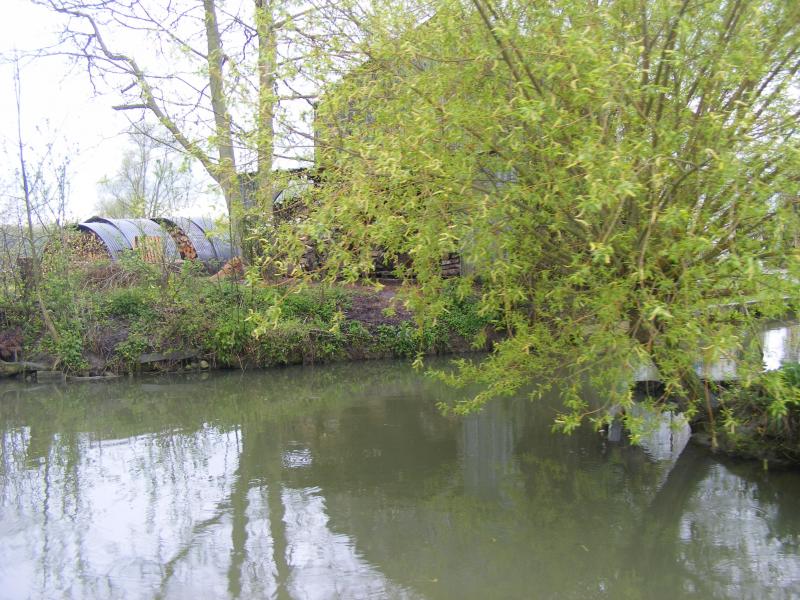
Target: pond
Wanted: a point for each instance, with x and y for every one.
(345, 481)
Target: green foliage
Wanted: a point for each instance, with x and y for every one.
(318, 305)
(137, 270)
(790, 373)
(762, 417)
(133, 303)
(399, 340)
(613, 184)
(69, 351)
(127, 353)
(461, 315)
(356, 333)
(230, 337)
(289, 342)
(118, 311)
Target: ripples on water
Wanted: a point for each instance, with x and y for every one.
(345, 482)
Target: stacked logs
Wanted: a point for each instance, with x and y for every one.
(182, 241)
(88, 247)
(233, 269)
(151, 248)
(384, 268)
(451, 265)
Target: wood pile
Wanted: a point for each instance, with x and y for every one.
(233, 269)
(151, 247)
(384, 267)
(451, 265)
(184, 244)
(87, 246)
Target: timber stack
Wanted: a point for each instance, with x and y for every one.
(185, 247)
(384, 267)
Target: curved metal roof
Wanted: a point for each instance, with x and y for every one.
(206, 252)
(113, 239)
(131, 228)
(294, 189)
(219, 238)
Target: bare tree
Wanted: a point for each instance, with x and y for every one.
(229, 81)
(35, 271)
(152, 180)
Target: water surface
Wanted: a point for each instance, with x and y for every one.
(346, 482)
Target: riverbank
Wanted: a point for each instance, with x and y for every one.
(113, 319)
(130, 317)
(745, 419)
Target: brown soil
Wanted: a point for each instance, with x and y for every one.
(10, 344)
(374, 308)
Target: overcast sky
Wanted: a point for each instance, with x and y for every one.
(58, 105)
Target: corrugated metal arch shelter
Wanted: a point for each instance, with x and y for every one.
(133, 228)
(220, 240)
(187, 238)
(202, 245)
(111, 237)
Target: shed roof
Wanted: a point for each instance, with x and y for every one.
(109, 235)
(132, 228)
(219, 238)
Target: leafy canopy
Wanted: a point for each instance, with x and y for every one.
(615, 174)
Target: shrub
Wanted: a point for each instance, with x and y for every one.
(133, 303)
(128, 352)
(230, 339)
(317, 304)
(69, 351)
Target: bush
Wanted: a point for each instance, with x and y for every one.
(128, 352)
(460, 315)
(230, 338)
(132, 303)
(763, 419)
(317, 304)
(69, 351)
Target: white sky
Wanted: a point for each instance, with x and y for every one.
(60, 106)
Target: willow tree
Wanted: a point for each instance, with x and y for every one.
(620, 177)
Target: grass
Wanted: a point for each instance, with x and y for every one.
(109, 314)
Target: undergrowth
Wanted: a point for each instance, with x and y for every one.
(109, 314)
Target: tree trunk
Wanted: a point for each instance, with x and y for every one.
(227, 176)
(267, 57)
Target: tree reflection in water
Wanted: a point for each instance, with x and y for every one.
(345, 482)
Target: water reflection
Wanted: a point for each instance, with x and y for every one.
(324, 564)
(345, 482)
(744, 523)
